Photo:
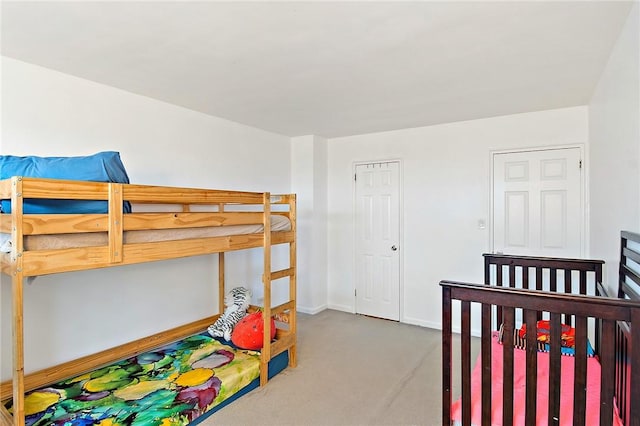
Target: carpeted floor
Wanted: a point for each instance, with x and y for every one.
(352, 370)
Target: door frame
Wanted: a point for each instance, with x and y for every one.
(584, 190)
(354, 264)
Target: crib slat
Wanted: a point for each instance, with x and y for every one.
(465, 348)
(512, 276)
(583, 282)
(487, 270)
(539, 285)
(554, 368)
(486, 364)
(580, 372)
(530, 318)
(607, 364)
(553, 280)
(499, 284)
(567, 319)
(538, 277)
(507, 362)
(621, 366)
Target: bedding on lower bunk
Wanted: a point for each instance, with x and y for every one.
(519, 389)
(63, 241)
(177, 384)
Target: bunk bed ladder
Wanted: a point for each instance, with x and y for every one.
(283, 341)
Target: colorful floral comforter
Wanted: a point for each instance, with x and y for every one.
(172, 385)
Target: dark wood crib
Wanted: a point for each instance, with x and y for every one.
(521, 290)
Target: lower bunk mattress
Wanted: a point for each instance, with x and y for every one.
(177, 384)
(519, 389)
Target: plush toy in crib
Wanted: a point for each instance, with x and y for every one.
(236, 303)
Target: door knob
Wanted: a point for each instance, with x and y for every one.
(394, 247)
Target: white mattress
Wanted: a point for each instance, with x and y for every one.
(62, 241)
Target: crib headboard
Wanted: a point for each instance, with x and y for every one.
(517, 265)
(570, 276)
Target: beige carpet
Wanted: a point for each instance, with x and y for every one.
(352, 370)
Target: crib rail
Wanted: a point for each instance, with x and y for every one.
(610, 313)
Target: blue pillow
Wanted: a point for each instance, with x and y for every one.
(101, 167)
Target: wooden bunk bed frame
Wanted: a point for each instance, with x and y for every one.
(614, 323)
(21, 263)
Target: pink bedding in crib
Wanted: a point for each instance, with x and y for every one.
(519, 380)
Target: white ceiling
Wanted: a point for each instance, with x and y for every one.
(327, 68)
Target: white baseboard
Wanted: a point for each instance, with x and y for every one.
(342, 308)
(422, 323)
(438, 326)
(311, 311)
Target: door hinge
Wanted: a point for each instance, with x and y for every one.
(580, 164)
(355, 292)
(355, 176)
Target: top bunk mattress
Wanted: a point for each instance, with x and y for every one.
(89, 239)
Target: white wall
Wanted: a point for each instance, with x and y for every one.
(309, 182)
(614, 132)
(302, 186)
(68, 315)
(446, 175)
(320, 237)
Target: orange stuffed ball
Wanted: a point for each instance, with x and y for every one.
(248, 333)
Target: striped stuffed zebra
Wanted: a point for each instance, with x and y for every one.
(236, 302)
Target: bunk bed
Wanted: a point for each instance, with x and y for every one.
(175, 222)
(586, 371)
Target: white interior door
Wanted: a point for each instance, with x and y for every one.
(538, 203)
(377, 240)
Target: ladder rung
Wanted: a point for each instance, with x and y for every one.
(282, 273)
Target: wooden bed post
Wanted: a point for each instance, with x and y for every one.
(265, 355)
(18, 349)
(293, 281)
(17, 280)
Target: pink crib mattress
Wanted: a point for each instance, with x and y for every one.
(519, 389)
